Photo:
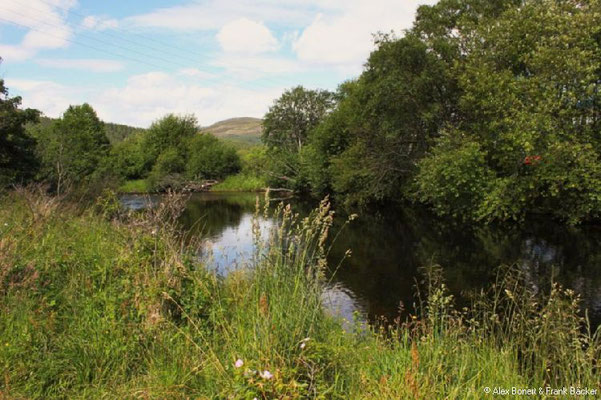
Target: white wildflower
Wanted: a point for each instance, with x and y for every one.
(239, 363)
(266, 375)
(303, 342)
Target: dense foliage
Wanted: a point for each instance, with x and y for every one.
(72, 148)
(486, 110)
(17, 159)
(286, 128)
(74, 152)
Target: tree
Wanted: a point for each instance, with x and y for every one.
(385, 121)
(292, 117)
(172, 133)
(73, 147)
(287, 127)
(210, 158)
(18, 163)
(530, 82)
(127, 158)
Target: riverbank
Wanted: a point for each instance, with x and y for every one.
(97, 303)
(233, 183)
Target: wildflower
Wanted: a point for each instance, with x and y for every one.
(303, 342)
(266, 375)
(239, 363)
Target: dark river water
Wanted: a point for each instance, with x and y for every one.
(389, 248)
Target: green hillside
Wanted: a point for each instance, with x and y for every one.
(242, 132)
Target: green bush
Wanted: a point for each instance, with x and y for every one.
(454, 179)
(210, 158)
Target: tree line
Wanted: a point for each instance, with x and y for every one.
(74, 151)
(484, 110)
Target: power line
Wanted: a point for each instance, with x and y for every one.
(274, 80)
(67, 10)
(99, 40)
(81, 44)
(139, 43)
(111, 53)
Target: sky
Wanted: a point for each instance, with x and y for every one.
(136, 60)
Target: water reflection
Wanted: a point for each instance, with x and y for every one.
(389, 248)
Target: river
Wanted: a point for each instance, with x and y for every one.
(388, 249)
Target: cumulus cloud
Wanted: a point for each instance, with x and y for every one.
(46, 24)
(213, 14)
(333, 34)
(88, 64)
(147, 97)
(345, 39)
(197, 74)
(246, 36)
(50, 97)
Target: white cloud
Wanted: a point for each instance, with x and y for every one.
(46, 24)
(97, 23)
(323, 34)
(213, 14)
(148, 97)
(345, 39)
(93, 65)
(52, 98)
(15, 53)
(246, 36)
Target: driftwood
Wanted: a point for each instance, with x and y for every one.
(281, 190)
(199, 186)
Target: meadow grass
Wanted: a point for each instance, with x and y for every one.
(102, 304)
(135, 186)
(241, 183)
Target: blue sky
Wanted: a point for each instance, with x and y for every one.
(136, 60)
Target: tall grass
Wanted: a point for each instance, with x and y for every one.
(241, 183)
(101, 304)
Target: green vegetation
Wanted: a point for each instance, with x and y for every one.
(71, 149)
(115, 133)
(74, 154)
(101, 304)
(286, 129)
(485, 110)
(134, 186)
(17, 160)
(241, 183)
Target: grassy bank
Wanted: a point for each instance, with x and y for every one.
(135, 186)
(241, 183)
(96, 304)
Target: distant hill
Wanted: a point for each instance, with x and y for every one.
(242, 132)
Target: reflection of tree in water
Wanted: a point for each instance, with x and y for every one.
(388, 252)
(210, 215)
(388, 249)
